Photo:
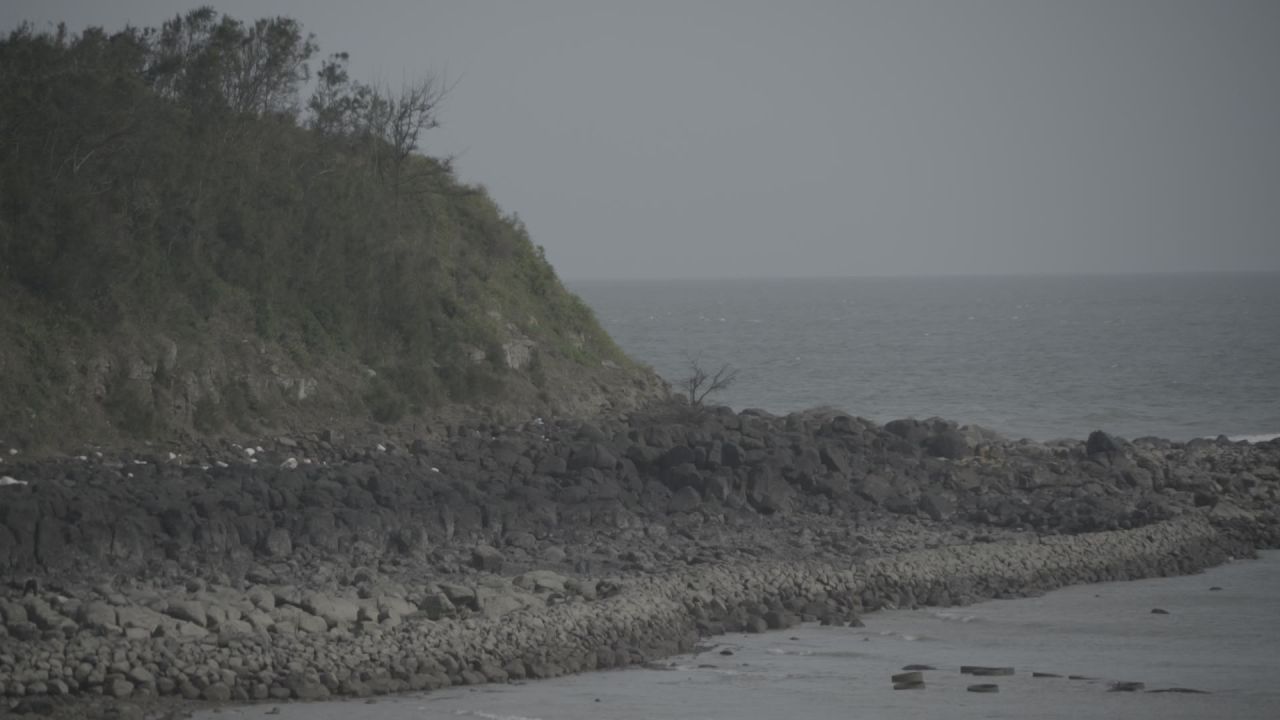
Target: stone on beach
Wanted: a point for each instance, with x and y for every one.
(1182, 690)
(984, 688)
(1126, 686)
(909, 685)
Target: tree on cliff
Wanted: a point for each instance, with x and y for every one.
(165, 181)
(386, 127)
(700, 382)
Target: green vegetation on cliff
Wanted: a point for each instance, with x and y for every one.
(199, 233)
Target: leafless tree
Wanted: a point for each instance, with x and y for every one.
(700, 382)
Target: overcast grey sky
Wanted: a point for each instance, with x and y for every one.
(735, 138)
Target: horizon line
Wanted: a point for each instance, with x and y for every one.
(899, 276)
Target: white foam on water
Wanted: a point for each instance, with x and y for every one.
(909, 637)
(494, 716)
(954, 617)
(706, 668)
(1264, 437)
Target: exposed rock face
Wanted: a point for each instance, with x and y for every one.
(510, 487)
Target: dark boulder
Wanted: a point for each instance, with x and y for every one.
(874, 488)
(950, 444)
(767, 492)
(485, 557)
(686, 499)
(835, 459)
(684, 475)
(679, 455)
(937, 506)
(1100, 443)
(909, 429)
(593, 456)
(731, 455)
(718, 486)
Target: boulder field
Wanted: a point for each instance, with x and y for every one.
(303, 567)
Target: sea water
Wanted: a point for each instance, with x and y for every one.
(1221, 636)
(1176, 356)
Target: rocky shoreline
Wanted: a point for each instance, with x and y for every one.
(303, 569)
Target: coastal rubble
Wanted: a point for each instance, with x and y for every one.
(505, 553)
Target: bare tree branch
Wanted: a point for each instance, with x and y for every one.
(700, 383)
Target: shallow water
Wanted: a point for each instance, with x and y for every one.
(1225, 642)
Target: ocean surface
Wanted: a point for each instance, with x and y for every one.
(1176, 356)
(1223, 642)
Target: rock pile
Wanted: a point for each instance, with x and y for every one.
(497, 554)
(312, 646)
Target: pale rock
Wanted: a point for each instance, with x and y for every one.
(98, 615)
(192, 611)
(335, 611)
(541, 581)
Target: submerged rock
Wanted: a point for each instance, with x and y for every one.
(984, 671)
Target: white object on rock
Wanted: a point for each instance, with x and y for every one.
(6, 480)
(290, 464)
(382, 448)
(13, 451)
(172, 457)
(220, 464)
(250, 452)
(435, 469)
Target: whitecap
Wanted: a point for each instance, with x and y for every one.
(491, 716)
(954, 617)
(1264, 437)
(707, 668)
